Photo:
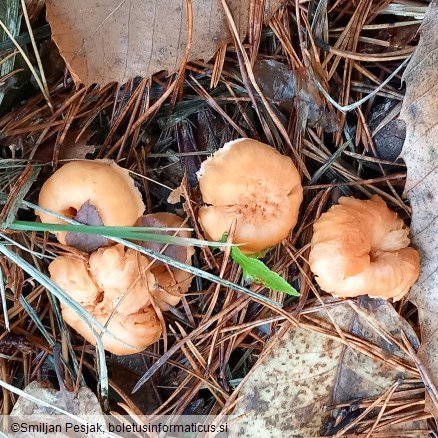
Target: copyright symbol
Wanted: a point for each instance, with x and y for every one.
(15, 427)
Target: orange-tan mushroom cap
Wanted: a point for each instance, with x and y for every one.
(134, 332)
(102, 183)
(254, 184)
(361, 248)
(71, 275)
(122, 275)
(119, 293)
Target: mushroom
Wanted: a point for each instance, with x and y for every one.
(71, 275)
(171, 282)
(361, 247)
(122, 275)
(138, 330)
(252, 183)
(119, 296)
(101, 183)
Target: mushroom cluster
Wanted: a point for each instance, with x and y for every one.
(120, 287)
(361, 248)
(253, 184)
(358, 247)
(115, 293)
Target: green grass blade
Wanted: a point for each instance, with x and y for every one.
(132, 233)
(3, 297)
(88, 229)
(171, 262)
(135, 233)
(22, 192)
(37, 321)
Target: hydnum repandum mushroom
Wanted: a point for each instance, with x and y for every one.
(122, 289)
(101, 183)
(361, 248)
(115, 286)
(255, 185)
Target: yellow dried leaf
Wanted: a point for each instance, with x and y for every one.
(287, 393)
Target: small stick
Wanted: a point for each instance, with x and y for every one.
(57, 361)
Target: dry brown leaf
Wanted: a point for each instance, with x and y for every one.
(176, 195)
(74, 147)
(420, 152)
(288, 393)
(116, 40)
(83, 404)
(87, 215)
(294, 89)
(277, 82)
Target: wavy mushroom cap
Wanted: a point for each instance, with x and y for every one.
(123, 277)
(134, 332)
(72, 276)
(361, 247)
(119, 285)
(102, 183)
(170, 283)
(252, 183)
